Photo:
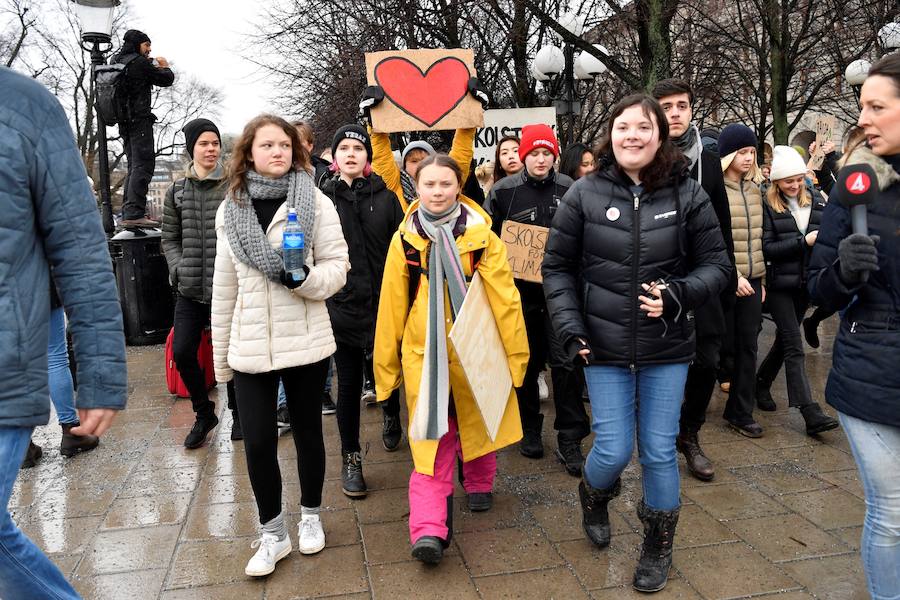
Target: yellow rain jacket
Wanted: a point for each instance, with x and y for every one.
(400, 334)
(383, 163)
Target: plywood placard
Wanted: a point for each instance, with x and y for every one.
(478, 345)
(423, 90)
(825, 125)
(525, 246)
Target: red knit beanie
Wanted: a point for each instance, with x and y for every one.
(537, 136)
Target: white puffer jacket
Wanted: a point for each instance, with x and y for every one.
(260, 325)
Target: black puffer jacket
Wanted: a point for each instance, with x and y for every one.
(524, 199)
(784, 247)
(605, 242)
(864, 381)
(189, 232)
(370, 214)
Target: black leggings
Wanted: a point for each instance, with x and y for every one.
(256, 399)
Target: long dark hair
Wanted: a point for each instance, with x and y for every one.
(668, 159)
(240, 156)
(499, 173)
(570, 159)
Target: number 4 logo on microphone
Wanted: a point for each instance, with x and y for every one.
(858, 183)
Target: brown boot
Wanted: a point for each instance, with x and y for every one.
(698, 464)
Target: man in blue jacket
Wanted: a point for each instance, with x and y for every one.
(49, 221)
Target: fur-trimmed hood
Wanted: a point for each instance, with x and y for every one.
(863, 155)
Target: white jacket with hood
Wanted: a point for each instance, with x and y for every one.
(259, 325)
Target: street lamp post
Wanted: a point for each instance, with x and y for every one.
(889, 36)
(560, 71)
(96, 19)
(855, 74)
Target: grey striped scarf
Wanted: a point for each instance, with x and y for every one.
(248, 240)
(429, 420)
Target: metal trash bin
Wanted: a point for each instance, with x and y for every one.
(142, 278)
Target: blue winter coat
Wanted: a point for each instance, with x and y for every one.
(864, 381)
(49, 218)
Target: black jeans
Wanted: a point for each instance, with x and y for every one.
(137, 139)
(351, 365)
(191, 318)
(257, 395)
(747, 319)
(787, 308)
(701, 380)
(571, 422)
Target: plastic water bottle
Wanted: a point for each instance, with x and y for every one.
(292, 247)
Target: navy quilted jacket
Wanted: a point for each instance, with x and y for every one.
(49, 218)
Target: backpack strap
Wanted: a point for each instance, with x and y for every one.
(416, 268)
(178, 192)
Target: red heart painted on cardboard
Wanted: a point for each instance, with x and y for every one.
(429, 96)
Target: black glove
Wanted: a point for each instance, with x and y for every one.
(289, 282)
(479, 93)
(372, 96)
(857, 256)
(576, 345)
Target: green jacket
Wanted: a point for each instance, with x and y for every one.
(189, 232)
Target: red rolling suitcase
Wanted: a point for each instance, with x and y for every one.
(204, 357)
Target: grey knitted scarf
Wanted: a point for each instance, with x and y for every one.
(689, 143)
(429, 420)
(248, 240)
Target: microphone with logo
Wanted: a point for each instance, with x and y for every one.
(858, 187)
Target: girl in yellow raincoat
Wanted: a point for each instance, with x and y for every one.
(444, 239)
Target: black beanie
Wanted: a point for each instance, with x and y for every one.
(194, 129)
(734, 137)
(132, 41)
(353, 132)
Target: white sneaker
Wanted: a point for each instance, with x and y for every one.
(310, 534)
(543, 391)
(270, 552)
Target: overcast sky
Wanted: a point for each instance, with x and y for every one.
(203, 38)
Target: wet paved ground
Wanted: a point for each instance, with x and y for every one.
(141, 517)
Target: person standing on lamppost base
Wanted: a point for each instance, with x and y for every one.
(676, 99)
(136, 128)
(189, 243)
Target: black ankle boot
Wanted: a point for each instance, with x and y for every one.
(764, 399)
(352, 482)
(816, 420)
(72, 444)
(652, 571)
(236, 432)
(595, 514)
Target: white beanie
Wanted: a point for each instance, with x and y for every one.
(786, 162)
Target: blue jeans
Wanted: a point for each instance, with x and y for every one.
(876, 449)
(61, 389)
(616, 411)
(25, 572)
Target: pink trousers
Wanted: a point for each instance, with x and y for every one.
(431, 498)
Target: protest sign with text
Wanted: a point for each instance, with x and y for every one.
(525, 246)
(498, 123)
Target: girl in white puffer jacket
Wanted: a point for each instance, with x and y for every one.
(267, 327)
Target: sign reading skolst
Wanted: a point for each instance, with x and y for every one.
(525, 245)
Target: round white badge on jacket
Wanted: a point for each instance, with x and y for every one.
(612, 213)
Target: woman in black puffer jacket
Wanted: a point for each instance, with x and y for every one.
(632, 250)
(791, 216)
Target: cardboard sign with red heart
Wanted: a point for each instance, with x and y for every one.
(423, 90)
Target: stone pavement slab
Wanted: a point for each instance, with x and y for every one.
(143, 518)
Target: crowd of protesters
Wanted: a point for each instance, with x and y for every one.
(666, 246)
